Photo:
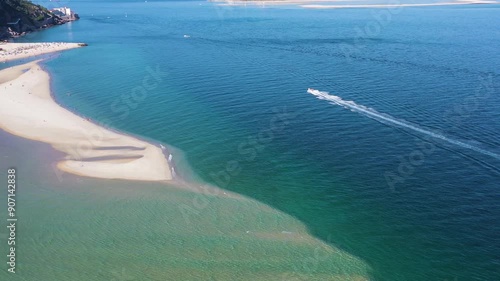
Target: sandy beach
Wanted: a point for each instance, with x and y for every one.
(14, 51)
(340, 4)
(28, 110)
(375, 6)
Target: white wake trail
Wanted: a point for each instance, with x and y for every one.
(372, 113)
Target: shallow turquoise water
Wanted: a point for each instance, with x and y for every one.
(242, 67)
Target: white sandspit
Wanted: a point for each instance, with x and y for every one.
(27, 109)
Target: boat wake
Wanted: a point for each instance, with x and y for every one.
(387, 119)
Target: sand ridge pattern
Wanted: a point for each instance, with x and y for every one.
(27, 109)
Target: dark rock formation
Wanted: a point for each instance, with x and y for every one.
(18, 17)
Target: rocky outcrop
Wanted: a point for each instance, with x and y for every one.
(18, 17)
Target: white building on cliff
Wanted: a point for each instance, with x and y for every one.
(63, 12)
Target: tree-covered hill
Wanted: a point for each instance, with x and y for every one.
(18, 17)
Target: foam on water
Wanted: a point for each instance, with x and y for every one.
(387, 119)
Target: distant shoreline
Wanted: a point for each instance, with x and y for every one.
(339, 4)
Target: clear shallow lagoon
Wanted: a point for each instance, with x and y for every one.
(222, 87)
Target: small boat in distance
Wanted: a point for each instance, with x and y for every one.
(323, 95)
(314, 92)
(186, 36)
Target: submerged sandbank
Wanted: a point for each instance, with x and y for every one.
(164, 232)
(211, 234)
(15, 51)
(27, 109)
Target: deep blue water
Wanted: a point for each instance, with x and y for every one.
(435, 68)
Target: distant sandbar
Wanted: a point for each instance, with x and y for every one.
(14, 51)
(349, 4)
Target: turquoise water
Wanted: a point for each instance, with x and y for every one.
(222, 89)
